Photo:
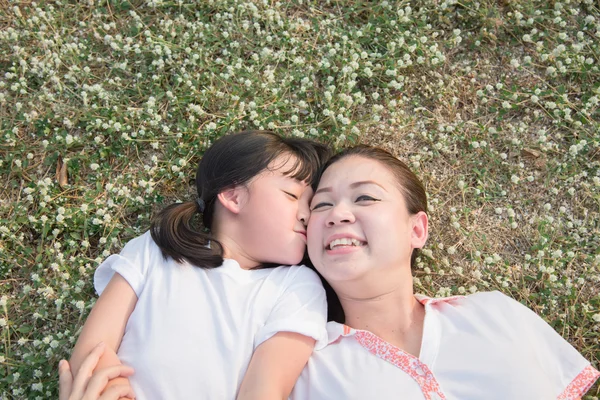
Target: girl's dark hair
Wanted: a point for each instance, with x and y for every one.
(410, 186)
(232, 160)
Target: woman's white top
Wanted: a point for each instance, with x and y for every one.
(193, 330)
(483, 346)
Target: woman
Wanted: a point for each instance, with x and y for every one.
(368, 220)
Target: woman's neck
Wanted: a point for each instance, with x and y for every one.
(394, 315)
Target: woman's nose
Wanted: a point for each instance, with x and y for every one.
(340, 214)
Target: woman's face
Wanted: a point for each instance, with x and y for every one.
(359, 224)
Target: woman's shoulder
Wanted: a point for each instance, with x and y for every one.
(491, 299)
(486, 308)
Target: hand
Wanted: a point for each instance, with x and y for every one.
(90, 385)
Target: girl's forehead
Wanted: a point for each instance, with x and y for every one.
(290, 166)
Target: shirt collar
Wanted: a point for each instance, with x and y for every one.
(335, 330)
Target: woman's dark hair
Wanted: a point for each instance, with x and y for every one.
(410, 186)
(231, 161)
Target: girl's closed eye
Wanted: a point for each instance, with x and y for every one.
(292, 195)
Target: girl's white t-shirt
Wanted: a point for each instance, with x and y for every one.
(193, 331)
(483, 346)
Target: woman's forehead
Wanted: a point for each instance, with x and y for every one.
(352, 169)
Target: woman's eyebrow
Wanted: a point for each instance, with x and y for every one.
(352, 186)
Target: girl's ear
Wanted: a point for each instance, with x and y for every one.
(233, 199)
(420, 230)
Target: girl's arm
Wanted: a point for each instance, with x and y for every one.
(275, 366)
(90, 387)
(106, 323)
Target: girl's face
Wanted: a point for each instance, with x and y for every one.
(359, 223)
(274, 216)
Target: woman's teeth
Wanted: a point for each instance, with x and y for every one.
(344, 242)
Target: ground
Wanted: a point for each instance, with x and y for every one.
(106, 107)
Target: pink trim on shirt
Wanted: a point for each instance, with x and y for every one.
(433, 300)
(581, 384)
(408, 363)
(347, 330)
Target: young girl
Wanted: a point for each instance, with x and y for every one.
(368, 218)
(206, 312)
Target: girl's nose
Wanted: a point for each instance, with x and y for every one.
(303, 213)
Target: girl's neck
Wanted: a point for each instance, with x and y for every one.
(395, 316)
(232, 250)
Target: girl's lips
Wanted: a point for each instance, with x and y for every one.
(302, 233)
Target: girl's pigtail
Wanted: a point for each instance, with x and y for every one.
(173, 232)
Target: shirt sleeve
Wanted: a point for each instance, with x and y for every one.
(300, 308)
(133, 264)
(563, 366)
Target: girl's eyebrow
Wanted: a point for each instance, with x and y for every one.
(352, 186)
(295, 181)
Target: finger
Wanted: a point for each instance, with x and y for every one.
(99, 380)
(85, 371)
(65, 380)
(117, 392)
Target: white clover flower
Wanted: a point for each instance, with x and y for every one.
(557, 253)
(596, 317)
(39, 387)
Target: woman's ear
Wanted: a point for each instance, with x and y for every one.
(420, 230)
(233, 199)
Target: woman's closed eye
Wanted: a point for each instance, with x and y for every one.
(320, 205)
(366, 198)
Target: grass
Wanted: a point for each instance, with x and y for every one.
(106, 107)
